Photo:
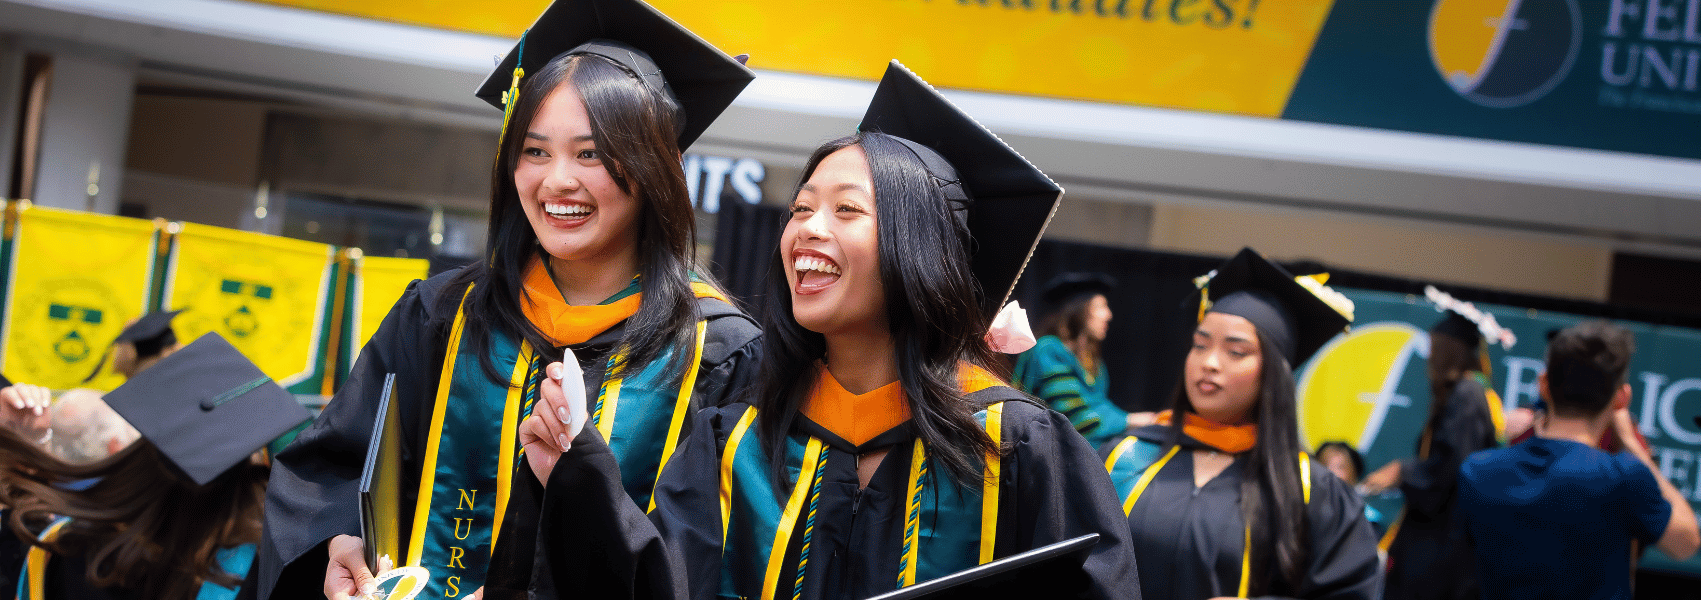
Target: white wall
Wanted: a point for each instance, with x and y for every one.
(85, 125)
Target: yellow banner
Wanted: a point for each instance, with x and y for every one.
(266, 294)
(1236, 56)
(379, 282)
(76, 279)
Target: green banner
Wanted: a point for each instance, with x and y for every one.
(1620, 75)
(1369, 387)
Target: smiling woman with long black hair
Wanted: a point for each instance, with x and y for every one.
(590, 249)
(877, 450)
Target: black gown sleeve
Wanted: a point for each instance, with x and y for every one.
(1061, 490)
(1344, 564)
(594, 542)
(313, 493)
(1465, 427)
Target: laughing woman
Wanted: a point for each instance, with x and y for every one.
(1220, 497)
(876, 450)
(590, 246)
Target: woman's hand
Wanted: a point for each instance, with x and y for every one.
(346, 575)
(1381, 479)
(23, 409)
(1137, 420)
(557, 417)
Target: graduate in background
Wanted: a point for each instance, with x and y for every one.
(876, 451)
(1428, 555)
(1221, 497)
(1066, 368)
(590, 248)
(174, 515)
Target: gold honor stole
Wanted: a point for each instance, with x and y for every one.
(1132, 468)
(946, 528)
(472, 452)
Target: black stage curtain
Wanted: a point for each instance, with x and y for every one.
(746, 237)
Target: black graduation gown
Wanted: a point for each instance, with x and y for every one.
(1190, 540)
(1431, 557)
(313, 494)
(1050, 490)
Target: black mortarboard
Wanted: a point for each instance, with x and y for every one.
(1065, 287)
(151, 333)
(1294, 317)
(1456, 325)
(1008, 200)
(206, 407)
(669, 58)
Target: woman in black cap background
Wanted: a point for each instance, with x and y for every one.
(174, 515)
(590, 249)
(1220, 496)
(1065, 368)
(876, 451)
(1428, 554)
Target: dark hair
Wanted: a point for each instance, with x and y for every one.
(1587, 364)
(932, 306)
(1272, 503)
(144, 526)
(1352, 455)
(1451, 360)
(636, 131)
(1069, 322)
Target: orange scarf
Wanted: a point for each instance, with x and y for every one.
(1233, 439)
(860, 417)
(565, 324)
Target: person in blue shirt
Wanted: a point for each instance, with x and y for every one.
(1555, 517)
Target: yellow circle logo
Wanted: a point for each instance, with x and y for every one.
(1504, 53)
(1346, 392)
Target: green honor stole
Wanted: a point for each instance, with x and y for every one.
(946, 528)
(473, 451)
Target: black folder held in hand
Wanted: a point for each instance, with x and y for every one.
(1054, 571)
(380, 481)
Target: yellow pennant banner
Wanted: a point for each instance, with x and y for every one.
(266, 294)
(1236, 56)
(75, 280)
(379, 282)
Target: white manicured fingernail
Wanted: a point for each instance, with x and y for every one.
(565, 417)
(562, 438)
(555, 371)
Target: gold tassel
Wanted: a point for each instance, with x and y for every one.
(508, 99)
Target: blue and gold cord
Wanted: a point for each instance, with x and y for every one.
(809, 524)
(912, 516)
(529, 396)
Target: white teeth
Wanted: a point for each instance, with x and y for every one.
(562, 210)
(810, 263)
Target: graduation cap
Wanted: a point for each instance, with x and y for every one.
(1009, 201)
(1297, 317)
(206, 407)
(1068, 286)
(670, 59)
(151, 333)
(1458, 326)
